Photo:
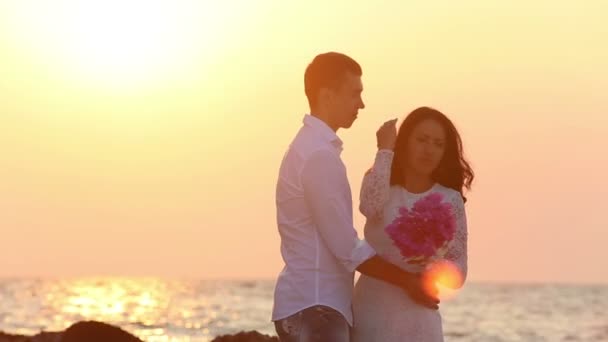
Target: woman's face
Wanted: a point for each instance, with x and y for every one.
(426, 146)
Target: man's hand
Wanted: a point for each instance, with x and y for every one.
(425, 295)
(387, 135)
(412, 283)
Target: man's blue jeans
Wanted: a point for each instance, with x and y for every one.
(315, 324)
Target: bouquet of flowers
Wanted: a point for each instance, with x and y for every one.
(422, 234)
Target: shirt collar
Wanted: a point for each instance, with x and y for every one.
(326, 133)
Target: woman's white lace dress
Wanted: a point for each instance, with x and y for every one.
(383, 312)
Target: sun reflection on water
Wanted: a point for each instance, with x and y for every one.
(153, 309)
(142, 304)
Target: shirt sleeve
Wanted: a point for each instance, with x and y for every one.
(376, 185)
(457, 251)
(327, 193)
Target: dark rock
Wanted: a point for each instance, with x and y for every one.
(249, 336)
(92, 331)
(40, 337)
(12, 338)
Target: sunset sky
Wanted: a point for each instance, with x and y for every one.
(144, 137)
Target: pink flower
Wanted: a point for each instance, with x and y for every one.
(421, 232)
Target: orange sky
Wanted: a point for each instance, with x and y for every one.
(161, 158)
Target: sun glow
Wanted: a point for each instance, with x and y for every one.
(120, 42)
(445, 277)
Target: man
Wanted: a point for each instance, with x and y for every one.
(319, 244)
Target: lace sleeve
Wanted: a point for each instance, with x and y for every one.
(376, 185)
(457, 251)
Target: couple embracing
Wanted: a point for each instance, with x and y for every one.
(419, 170)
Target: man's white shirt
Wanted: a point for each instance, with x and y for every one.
(319, 243)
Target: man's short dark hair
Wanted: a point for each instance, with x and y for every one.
(327, 70)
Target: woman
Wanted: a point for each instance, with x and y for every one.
(425, 157)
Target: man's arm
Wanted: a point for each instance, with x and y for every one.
(326, 194)
(378, 268)
(323, 177)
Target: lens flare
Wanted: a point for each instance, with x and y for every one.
(443, 278)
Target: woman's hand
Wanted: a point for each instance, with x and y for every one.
(387, 135)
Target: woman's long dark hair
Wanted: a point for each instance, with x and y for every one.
(453, 172)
